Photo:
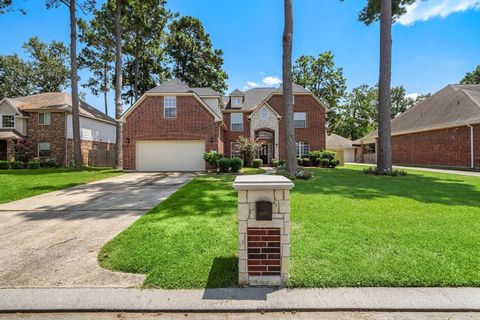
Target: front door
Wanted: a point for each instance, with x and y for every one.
(264, 153)
(3, 150)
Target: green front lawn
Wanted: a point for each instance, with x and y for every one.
(348, 229)
(19, 184)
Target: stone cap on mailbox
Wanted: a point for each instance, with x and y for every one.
(262, 182)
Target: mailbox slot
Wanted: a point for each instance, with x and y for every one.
(264, 211)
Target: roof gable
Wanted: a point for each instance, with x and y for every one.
(451, 106)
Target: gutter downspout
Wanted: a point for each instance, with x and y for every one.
(472, 155)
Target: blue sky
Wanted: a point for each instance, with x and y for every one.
(435, 44)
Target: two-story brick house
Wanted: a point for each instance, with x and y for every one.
(45, 121)
(172, 125)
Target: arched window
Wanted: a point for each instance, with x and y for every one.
(262, 134)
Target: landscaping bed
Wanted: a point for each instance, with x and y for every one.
(23, 183)
(348, 229)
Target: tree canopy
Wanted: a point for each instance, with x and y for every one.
(194, 60)
(472, 77)
(371, 12)
(46, 70)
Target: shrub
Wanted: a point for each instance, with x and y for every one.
(275, 163)
(236, 164)
(392, 173)
(257, 163)
(212, 158)
(304, 175)
(285, 173)
(247, 148)
(71, 163)
(224, 164)
(33, 165)
(327, 154)
(325, 162)
(299, 161)
(314, 156)
(16, 165)
(51, 163)
(333, 163)
(306, 162)
(4, 165)
(281, 163)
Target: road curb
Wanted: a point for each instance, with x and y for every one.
(239, 300)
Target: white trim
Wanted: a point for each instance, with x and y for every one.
(306, 124)
(268, 106)
(49, 118)
(12, 106)
(231, 122)
(14, 120)
(169, 107)
(151, 94)
(472, 147)
(49, 149)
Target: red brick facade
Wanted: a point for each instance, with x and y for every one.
(263, 245)
(147, 122)
(314, 134)
(445, 147)
(53, 133)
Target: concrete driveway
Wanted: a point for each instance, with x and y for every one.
(52, 240)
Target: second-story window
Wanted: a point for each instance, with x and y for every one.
(264, 114)
(44, 118)
(236, 121)
(300, 119)
(170, 107)
(8, 121)
(237, 101)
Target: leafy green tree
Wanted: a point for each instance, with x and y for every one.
(98, 55)
(15, 77)
(144, 23)
(384, 11)
(194, 60)
(321, 77)
(8, 5)
(400, 101)
(472, 77)
(49, 65)
(357, 114)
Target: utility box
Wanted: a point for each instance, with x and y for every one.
(263, 229)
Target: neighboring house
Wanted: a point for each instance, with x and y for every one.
(172, 125)
(342, 146)
(442, 130)
(45, 121)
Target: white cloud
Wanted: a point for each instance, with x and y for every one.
(250, 85)
(425, 10)
(271, 81)
(412, 95)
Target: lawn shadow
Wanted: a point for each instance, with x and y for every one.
(350, 183)
(222, 283)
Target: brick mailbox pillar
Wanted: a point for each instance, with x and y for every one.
(263, 229)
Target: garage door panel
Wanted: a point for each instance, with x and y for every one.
(170, 155)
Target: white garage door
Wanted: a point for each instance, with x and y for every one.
(170, 155)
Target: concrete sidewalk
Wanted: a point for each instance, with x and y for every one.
(449, 171)
(240, 300)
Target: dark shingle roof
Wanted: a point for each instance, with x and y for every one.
(454, 104)
(255, 96)
(177, 86)
(236, 93)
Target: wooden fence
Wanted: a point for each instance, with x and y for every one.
(101, 158)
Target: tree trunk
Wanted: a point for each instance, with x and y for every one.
(105, 86)
(384, 152)
(291, 154)
(135, 74)
(77, 150)
(118, 86)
